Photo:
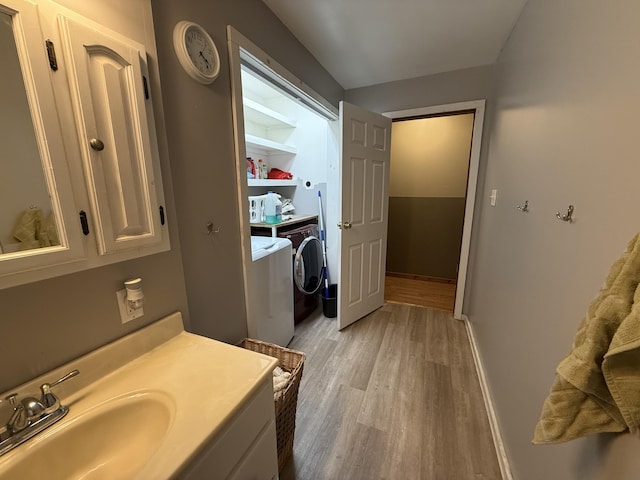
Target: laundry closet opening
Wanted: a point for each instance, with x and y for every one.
(287, 142)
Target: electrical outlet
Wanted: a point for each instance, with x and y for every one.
(126, 312)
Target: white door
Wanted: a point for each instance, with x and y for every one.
(365, 139)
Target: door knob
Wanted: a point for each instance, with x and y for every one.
(345, 225)
(96, 144)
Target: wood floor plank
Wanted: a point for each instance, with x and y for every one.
(420, 291)
(405, 440)
(393, 396)
(350, 453)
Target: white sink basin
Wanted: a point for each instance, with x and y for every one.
(141, 408)
(113, 440)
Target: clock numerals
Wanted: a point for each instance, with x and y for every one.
(199, 51)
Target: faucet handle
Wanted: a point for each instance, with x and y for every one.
(19, 419)
(49, 399)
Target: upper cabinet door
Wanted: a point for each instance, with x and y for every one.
(114, 120)
(39, 224)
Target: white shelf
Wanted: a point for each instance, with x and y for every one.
(263, 115)
(272, 183)
(268, 146)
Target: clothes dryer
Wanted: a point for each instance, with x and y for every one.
(307, 268)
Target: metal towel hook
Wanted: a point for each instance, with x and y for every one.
(567, 216)
(525, 207)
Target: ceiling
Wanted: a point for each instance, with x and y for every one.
(367, 42)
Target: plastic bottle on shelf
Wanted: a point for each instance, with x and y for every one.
(251, 168)
(263, 171)
(259, 170)
(272, 208)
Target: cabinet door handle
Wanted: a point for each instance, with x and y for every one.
(96, 144)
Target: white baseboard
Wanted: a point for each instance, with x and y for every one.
(503, 461)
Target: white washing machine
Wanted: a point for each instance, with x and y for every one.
(270, 302)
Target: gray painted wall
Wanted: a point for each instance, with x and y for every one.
(425, 235)
(200, 138)
(564, 131)
(427, 190)
(450, 87)
(47, 323)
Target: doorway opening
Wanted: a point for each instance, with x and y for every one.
(434, 171)
(286, 138)
(341, 163)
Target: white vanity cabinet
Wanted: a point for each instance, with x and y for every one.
(85, 134)
(246, 448)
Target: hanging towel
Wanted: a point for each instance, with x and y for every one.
(597, 387)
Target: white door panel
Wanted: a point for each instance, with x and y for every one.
(363, 239)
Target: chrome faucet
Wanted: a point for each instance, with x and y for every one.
(31, 416)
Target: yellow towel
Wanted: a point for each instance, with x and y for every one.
(48, 233)
(33, 230)
(597, 387)
(26, 229)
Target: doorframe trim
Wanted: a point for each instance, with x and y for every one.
(472, 180)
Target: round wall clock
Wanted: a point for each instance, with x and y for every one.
(196, 51)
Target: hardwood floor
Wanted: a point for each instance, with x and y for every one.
(393, 396)
(438, 294)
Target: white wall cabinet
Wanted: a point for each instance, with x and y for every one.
(107, 78)
(88, 98)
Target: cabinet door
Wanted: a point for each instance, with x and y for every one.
(39, 225)
(109, 90)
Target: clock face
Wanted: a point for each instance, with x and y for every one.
(196, 52)
(200, 51)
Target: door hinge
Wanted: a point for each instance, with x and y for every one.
(161, 215)
(51, 53)
(84, 223)
(145, 85)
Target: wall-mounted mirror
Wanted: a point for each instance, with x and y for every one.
(26, 218)
(39, 225)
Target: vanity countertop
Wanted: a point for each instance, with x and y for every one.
(204, 381)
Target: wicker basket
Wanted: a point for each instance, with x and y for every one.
(286, 400)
